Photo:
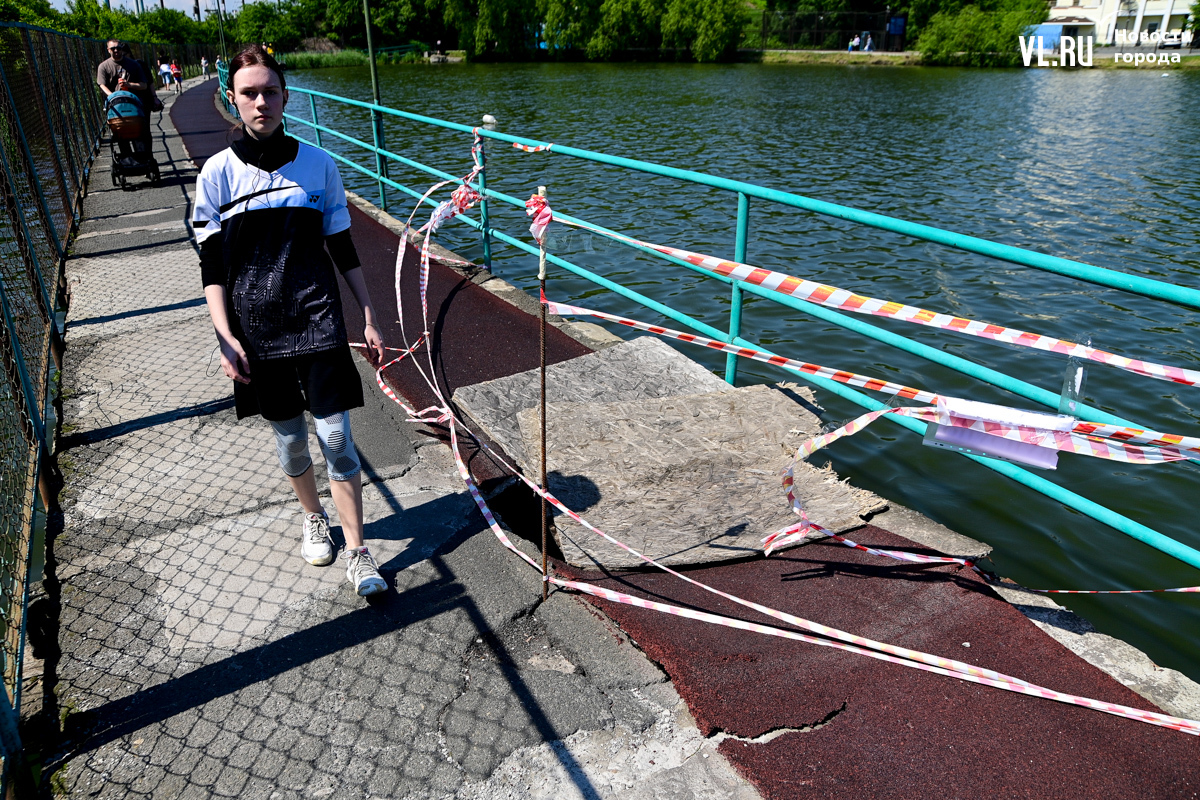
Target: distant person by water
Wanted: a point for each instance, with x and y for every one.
(853, 44)
(870, 45)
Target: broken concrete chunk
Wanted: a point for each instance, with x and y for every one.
(642, 368)
(688, 479)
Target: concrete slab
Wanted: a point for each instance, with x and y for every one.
(687, 480)
(383, 448)
(125, 292)
(670, 760)
(224, 583)
(181, 469)
(922, 530)
(153, 369)
(639, 369)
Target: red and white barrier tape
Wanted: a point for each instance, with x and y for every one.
(802, 530)
(850, 378)
(844, 300)
(845, 641)
(1113, 442)
(1064, 441)
(537, 208)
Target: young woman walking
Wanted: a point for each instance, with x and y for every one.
(272, 223)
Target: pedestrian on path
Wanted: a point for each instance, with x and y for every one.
(267, 208)
(177, 77)
(204, 66)
(122, 72)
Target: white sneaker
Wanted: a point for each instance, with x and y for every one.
(363, 572)
(316, 546)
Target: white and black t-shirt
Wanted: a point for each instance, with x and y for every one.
(264, 210)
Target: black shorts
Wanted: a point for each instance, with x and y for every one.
(284, 388)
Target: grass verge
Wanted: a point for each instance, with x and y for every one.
(342, 58)
(875, 59)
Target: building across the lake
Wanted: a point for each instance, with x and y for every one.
(1114, 22)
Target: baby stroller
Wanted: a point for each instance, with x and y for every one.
(130, 146)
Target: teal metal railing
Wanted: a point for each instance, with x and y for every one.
(745, 193)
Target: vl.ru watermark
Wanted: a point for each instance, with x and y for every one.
(1076, 51)
(1071, 51)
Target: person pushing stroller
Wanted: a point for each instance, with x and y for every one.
(122, 72)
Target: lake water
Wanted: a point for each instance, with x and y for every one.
(1096, 166)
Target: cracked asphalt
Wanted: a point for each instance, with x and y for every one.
(201, 657)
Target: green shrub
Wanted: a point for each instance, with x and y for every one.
(342, 58)
(979, 37)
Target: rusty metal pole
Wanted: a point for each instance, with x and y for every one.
(542, 342)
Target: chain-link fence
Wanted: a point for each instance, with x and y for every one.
(51, 115)
(831, 30)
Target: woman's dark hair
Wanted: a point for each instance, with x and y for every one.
(255, 55)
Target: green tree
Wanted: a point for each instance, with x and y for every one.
(168, 26)
(569, 24)
(392, 21)
(625, 24)
(264, 22)
(709, 29)
(504, 27)
(33, 12)
(983, 35)
(89, 18)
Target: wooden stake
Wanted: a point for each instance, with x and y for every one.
(542, 337)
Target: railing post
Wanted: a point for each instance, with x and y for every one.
(312, 104)
(484, 225)
(380, 164)
(735, 296)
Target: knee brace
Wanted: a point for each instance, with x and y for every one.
(291, 444)
(341, 456)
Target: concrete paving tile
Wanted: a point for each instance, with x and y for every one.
(639, 369)
(120, 293)
(210, 465)
(154, 370)
(212, 607)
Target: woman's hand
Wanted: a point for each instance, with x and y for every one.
(233, 360)
(374, 344)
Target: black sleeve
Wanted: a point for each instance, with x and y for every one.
(341, 250)
(212, 262)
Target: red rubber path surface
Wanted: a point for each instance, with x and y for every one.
(875, 729)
